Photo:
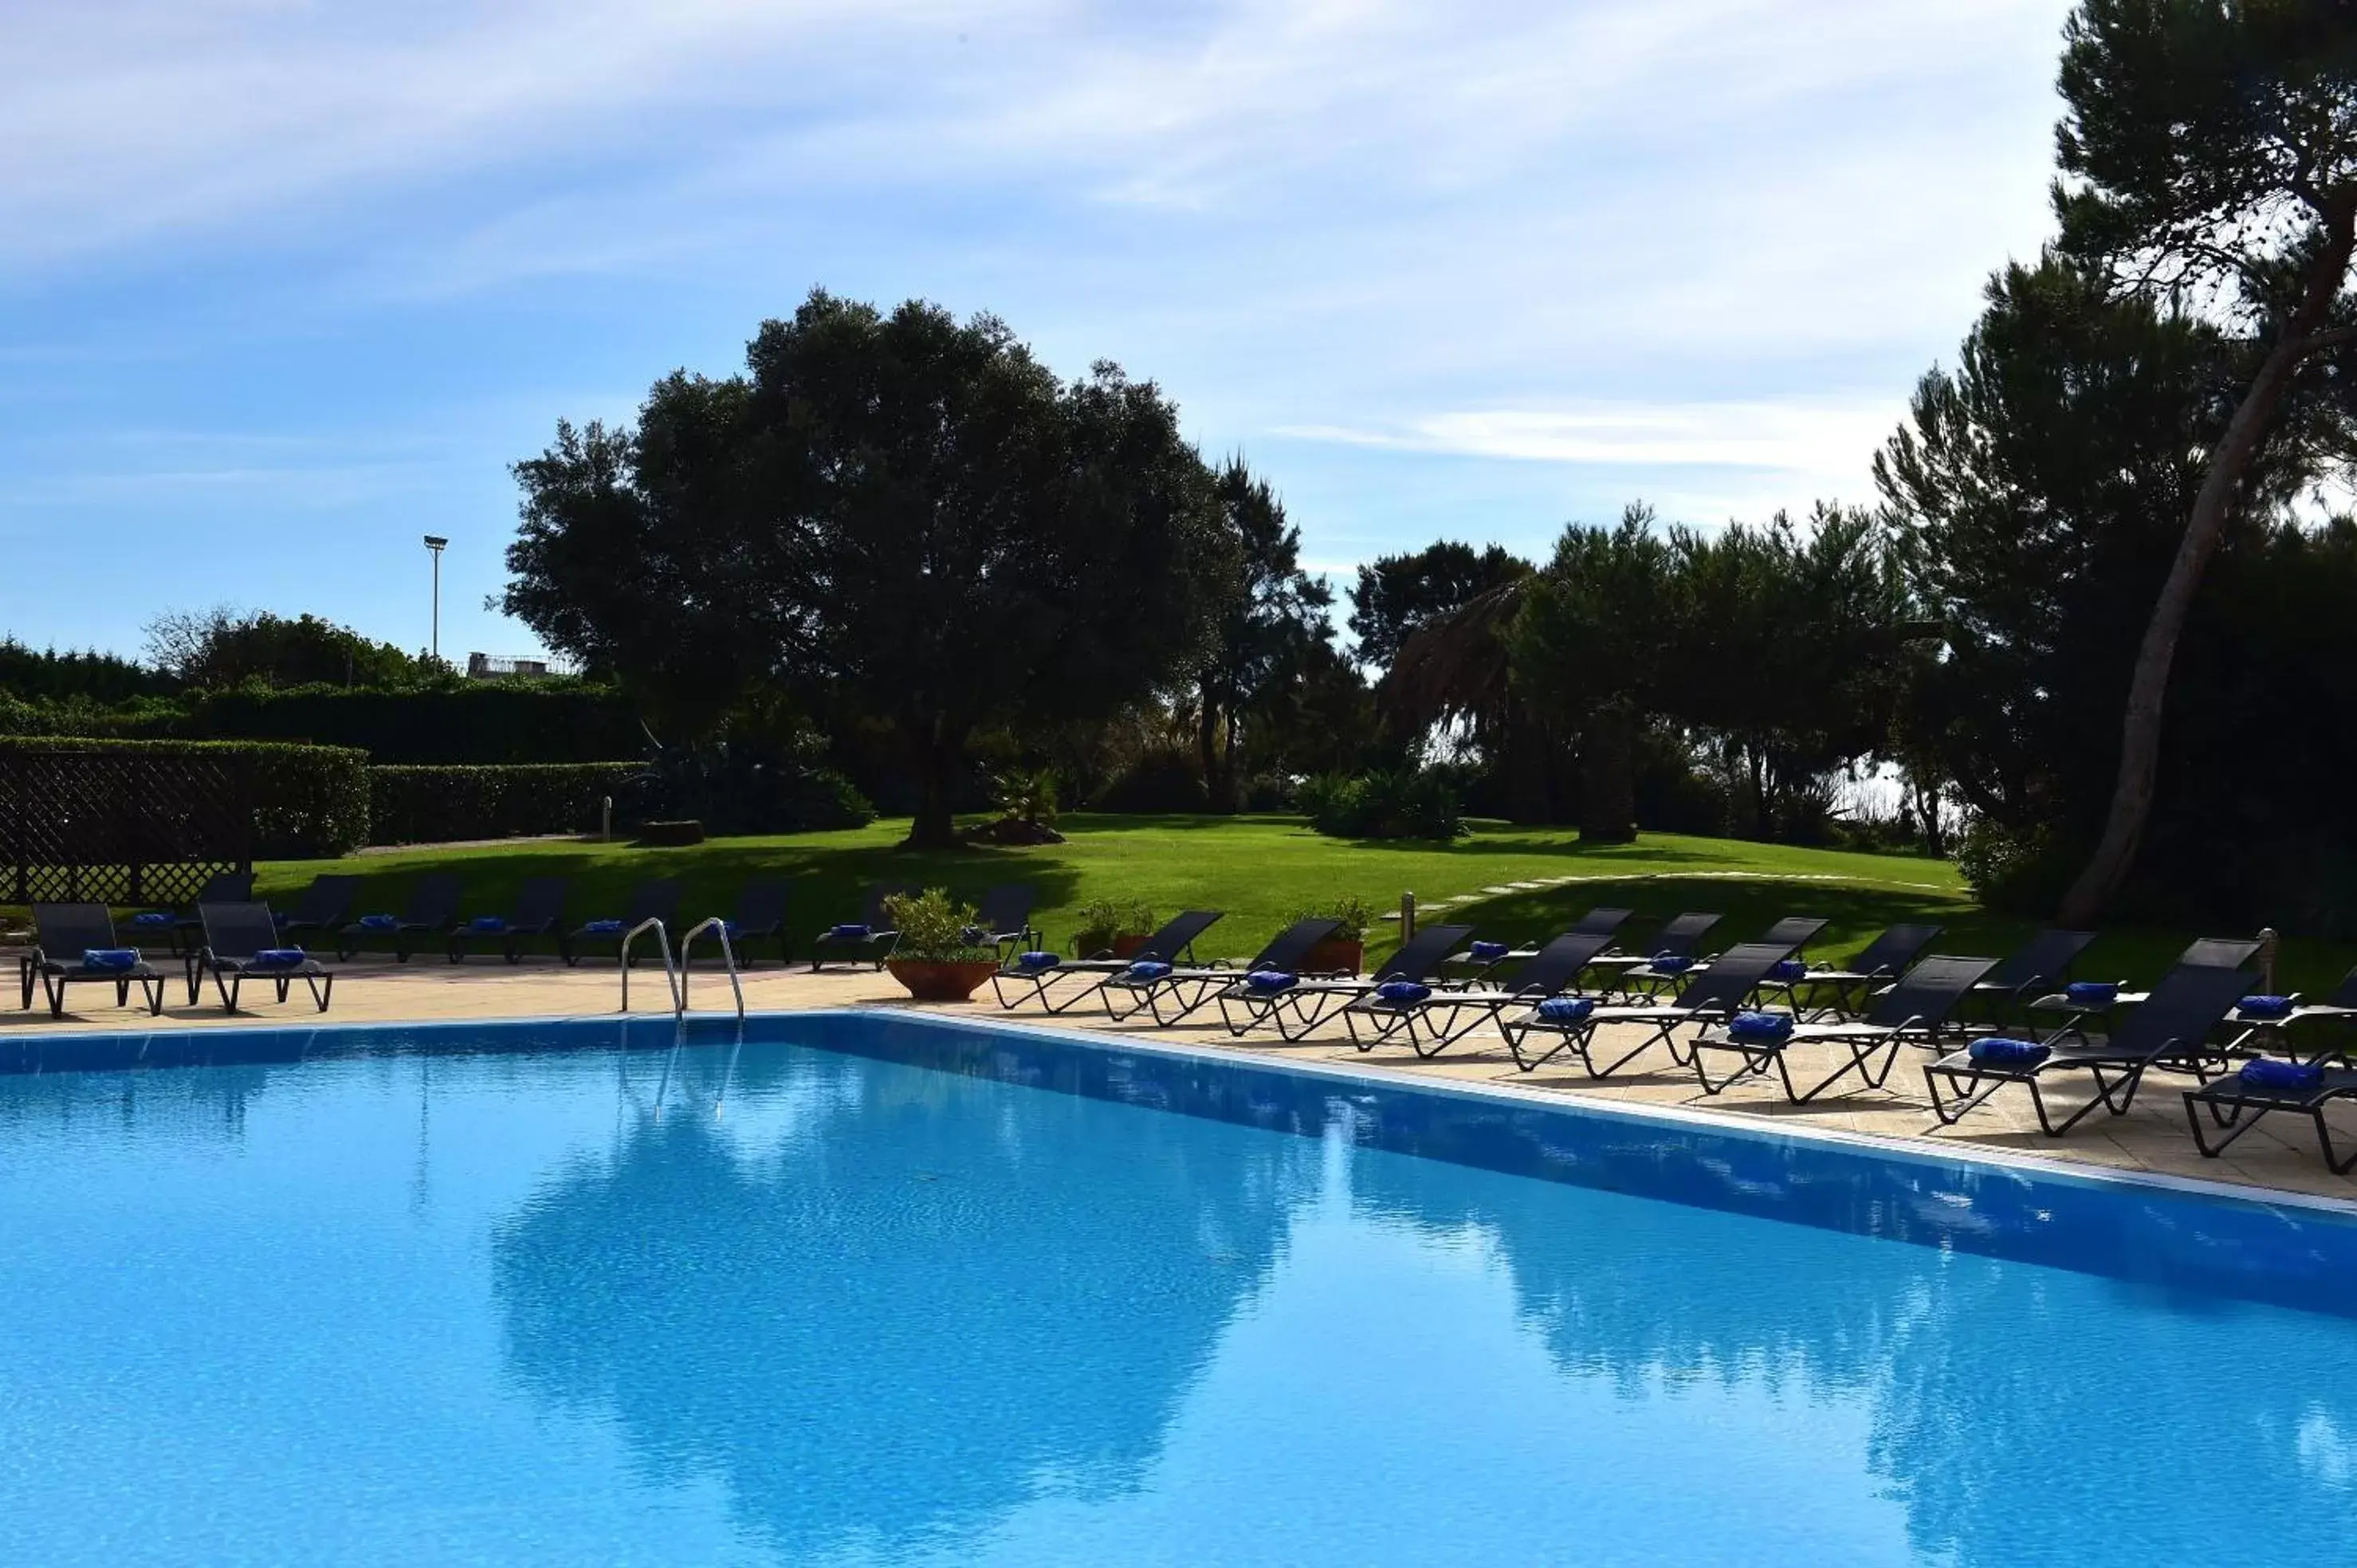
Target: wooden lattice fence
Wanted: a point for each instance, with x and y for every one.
(121, 826)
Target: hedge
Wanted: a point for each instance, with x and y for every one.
(309, 801)
(440, 805)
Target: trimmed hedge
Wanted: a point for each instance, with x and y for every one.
(309, 801)
(438, 805)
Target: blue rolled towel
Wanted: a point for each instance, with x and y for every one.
(849, 932)
(1490, 952)
(490, 924)
(1788, 970)
(1567, 1009)
(1672, 963)
(279, 958)
(2264, 1007)
(2266, 1072)
(1400, 992)
(1269, 982)
(1148, 968)
(1760, 1028)
(601, 928)
(1995, 1050)
(1035, 961)
(2092, 992)
(154, 918)
(380, 922)
(115, 960)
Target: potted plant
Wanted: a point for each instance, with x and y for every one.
(1345, 952)
(933, 957)
(1112, 924)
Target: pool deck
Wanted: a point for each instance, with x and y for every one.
(2279, 1153)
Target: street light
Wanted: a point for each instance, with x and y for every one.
(434, 543)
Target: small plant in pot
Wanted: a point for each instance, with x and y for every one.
(1345, 950)
(1114, 925)
(933, 957)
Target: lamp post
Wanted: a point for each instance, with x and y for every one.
(434, 543)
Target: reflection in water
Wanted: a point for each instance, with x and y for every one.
(898, 1304)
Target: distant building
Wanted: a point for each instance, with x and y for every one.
(517, 666)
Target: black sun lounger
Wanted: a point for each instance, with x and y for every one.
(1432, 1023)
(760, 916)
(183, 932)
(2171, 1025)
(2032, 969)
(1912, 1012)
(1675, 948)
(433, 910)
(655, 900)
(1298, 1008)
(2275, 1025)
(1877, 965)
(242, 943)
(1605, 920)
(539, 911)
(321, 910)
(1183, 990)
(1715, 992)
(65, 937)
(1002, 919)
(2235, 1104)
(2202, 952)
(1174, 944)
(870, 939)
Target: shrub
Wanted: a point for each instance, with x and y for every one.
(1352, 916)
(1163, 778)
(1390, 803)
(438, 805)
(309, 801)
(933, 928)
(1106, 918)
(2022, 872)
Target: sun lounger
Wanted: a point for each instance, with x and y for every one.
(760, 916)
(539, 912)
(1002, 919)
(1882, 962)
(2170, 1026)
(1793, 933)
(433, 910)
(182, 932)
(242, 943)
(1482, 961)
(74, 942)
(870, 939)
(2033, 970)
(322, 909)
(2240, 1101)
(1915, 1011)
(1169, 993)
(1040, 976)
(1673, 951)
(1298, 1007)
(1711, 994)
(2076, 1005)
(1432, 1023)
(655, 900)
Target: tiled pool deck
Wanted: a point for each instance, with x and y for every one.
(2280, 1154)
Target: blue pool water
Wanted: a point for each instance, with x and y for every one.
(878, 1291)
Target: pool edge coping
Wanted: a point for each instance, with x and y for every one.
(2013, 1161)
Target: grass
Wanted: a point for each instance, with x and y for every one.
(1262, 870)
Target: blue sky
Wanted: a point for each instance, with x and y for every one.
(284, 286)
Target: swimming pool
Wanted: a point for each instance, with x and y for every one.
(881, 1289)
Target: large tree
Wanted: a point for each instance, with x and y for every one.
(2209, 156)
(1271, 615)
(1397, 594)
(899, 515)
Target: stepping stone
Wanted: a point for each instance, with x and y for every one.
(1494, 892)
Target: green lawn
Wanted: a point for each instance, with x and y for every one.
(1261, 870)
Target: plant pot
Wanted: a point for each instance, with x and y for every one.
(931, 980)
(1335, 956)
(1130, 946)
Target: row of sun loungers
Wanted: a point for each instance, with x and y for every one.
(1718, 1017)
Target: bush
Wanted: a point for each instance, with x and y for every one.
(1164, 778)
(479, 721)
(1106, 918)
(1390, 803)
(2021, 873)
(438, 805)
(934, 928)
(309, 801)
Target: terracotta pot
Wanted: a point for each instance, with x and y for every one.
(1335, 956)
(1130, 946)
(931, 981)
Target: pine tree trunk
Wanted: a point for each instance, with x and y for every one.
(1607, 784)
(938, 750)
(2131, 806)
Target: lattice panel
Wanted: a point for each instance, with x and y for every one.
(122, 827)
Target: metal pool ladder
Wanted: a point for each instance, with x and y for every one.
(676, 974)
